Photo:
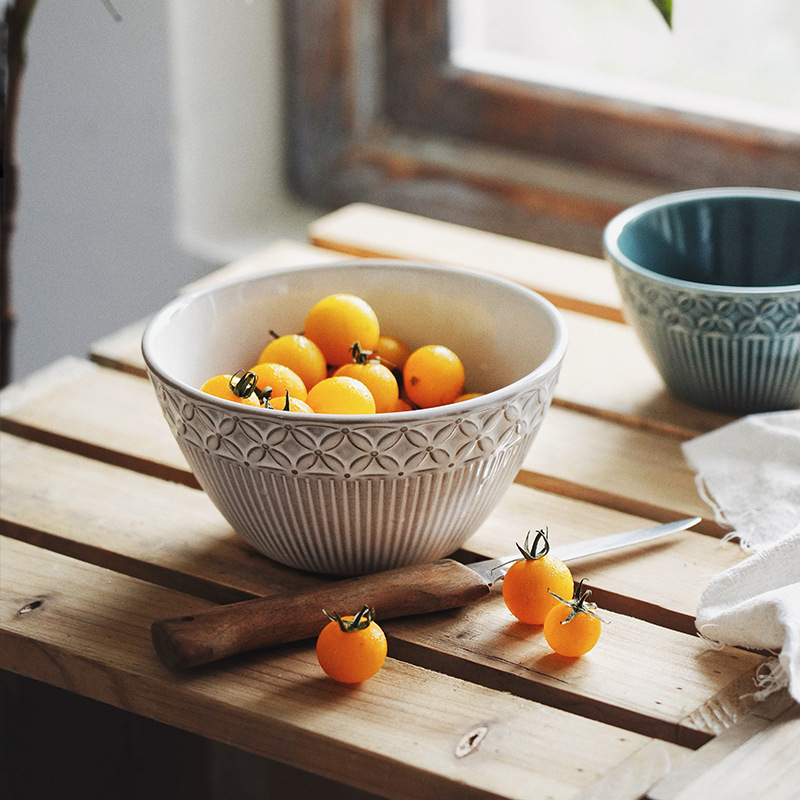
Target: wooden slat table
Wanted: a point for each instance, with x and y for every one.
(105, 530)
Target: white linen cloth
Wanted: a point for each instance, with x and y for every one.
(749, 472)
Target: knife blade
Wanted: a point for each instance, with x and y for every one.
(226, 630)
(494, 569)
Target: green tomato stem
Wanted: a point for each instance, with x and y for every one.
(243, 384)
(541, 545)
(579, 604)
(362, 620)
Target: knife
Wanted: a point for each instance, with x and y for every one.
(227, 630)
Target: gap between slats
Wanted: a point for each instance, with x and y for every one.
(624, 708)
(261, 703)
(187, 531)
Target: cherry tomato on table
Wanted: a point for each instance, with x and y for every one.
(351, 649)
(572, 628)
(529, 582)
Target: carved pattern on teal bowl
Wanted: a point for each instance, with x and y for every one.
(734, 352)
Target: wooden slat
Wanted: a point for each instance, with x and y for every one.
(768, 764)
(607, 373)
(122, 349)
(112, 415)
(102, 413)
(185, 545)
(278, 254)
(86, 629)
(641, 677)
(766, 720)
(92, 511)
(643, 768)
(572, 281)
(613, 464)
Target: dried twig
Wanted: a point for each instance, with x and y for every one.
(16, 21)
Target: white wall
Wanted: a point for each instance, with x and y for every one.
(150, 152)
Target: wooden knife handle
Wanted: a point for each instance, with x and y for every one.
(227, 630)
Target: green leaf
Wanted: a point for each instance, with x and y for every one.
(665, 9)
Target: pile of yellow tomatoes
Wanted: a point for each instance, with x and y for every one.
(343, 364)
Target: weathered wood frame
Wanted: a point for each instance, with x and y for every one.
(376, 113)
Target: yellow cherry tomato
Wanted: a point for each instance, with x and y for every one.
(298, 353)
(529, 582)
(351, 649)
(341, 395)
(392, 352)
(336, 322)
(572, 628)
(289, 403)
(379, 379)
(280, 379)
(433, 375)
(238, 388)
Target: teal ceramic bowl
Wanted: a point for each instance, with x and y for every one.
(710, 280)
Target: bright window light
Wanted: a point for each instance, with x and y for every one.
(734, 59)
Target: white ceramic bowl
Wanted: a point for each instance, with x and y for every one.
(357, 494)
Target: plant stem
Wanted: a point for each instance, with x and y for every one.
(16, 21)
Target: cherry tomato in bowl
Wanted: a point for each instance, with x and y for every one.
(238, 388)
(281, 479)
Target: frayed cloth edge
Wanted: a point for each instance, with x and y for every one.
(770, 677)
(719, 515)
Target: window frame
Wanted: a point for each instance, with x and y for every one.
(377, 113)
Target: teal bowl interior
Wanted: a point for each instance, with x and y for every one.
(723, 237)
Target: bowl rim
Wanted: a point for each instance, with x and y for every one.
(551, 363)
(615, 226)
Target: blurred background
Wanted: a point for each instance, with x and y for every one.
(150, 151)
(153, 147)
